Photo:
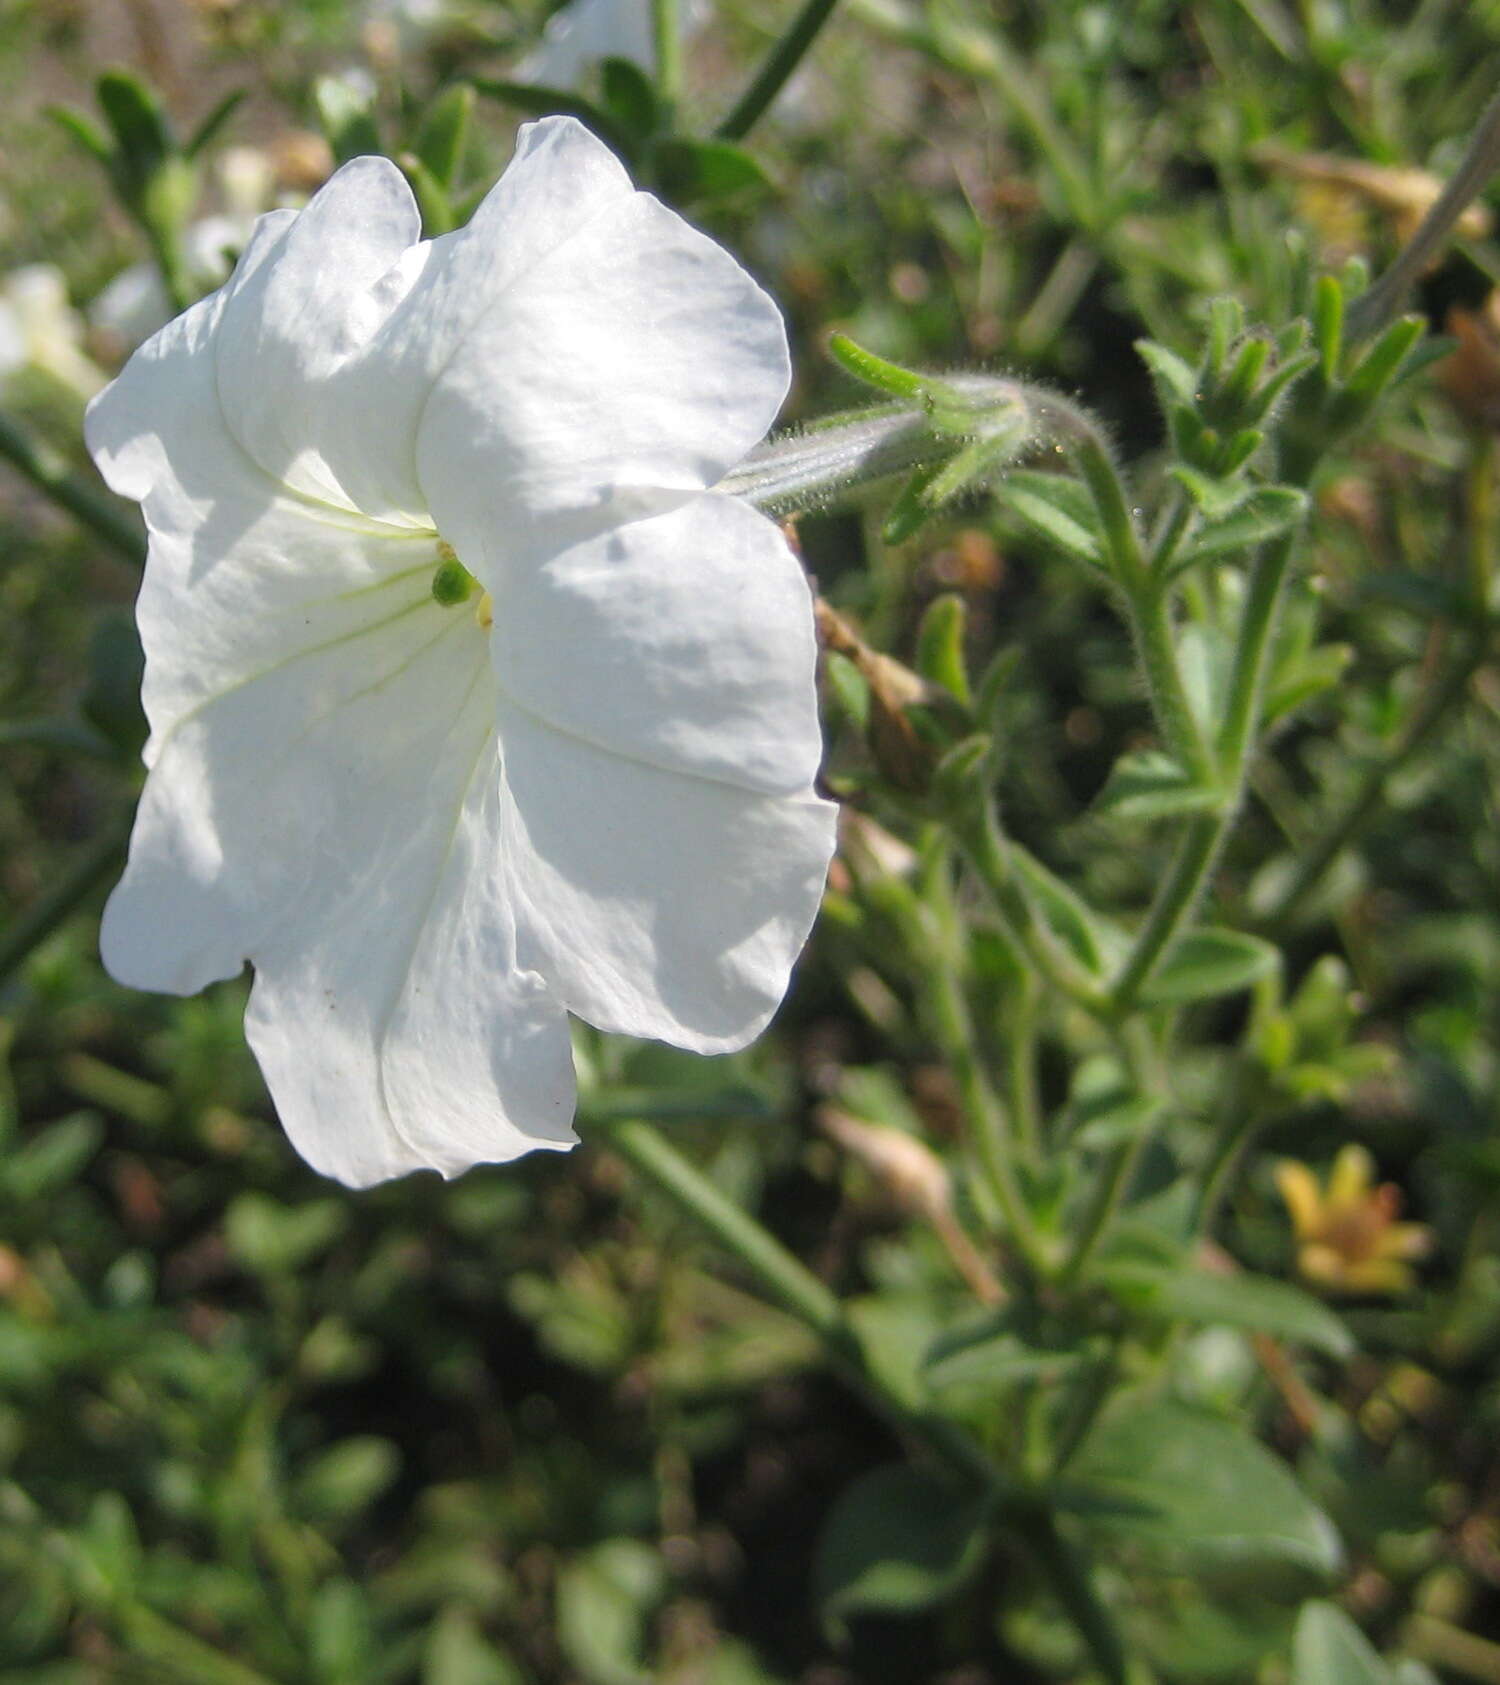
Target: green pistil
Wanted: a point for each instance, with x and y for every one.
(452, 583)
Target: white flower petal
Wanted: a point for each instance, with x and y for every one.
(637, 358)
(653, 903)
(685, 640)
(559, 179)
(243, 574)
(388, 1051)
(299, 310)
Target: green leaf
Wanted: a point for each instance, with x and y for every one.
(1297, 682)
(1059, 508)
(940, 645)
(85, 131)
(691, 171)
(910, 509)
(996, 1360)
(1253, 1302)
(1328, 1649)
(1266, 513)
(457, 1653)
(346, 1479)
(209, 129)
(444, 132)
(143, 137)
(1207, 963)
(112, 698)
(1195, 1493)
(1149, 784)
(538, 101)
(346, 118)
(1092, 939)
(1175, 379)
(605, 1597)
(897, 1541)
(432, 197)
(52, 1158)
(274, 1239)
(630, 97)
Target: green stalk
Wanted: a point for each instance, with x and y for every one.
(777, 67)
(666, 28)
(50, 474)
(790, 1284)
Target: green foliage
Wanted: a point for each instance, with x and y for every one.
(1195, 872)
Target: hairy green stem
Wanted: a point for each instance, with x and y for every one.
(774, 72)
(50, 474)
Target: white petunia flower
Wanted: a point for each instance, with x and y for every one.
(585, 32)
(436, 830)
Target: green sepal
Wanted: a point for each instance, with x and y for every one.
(940, 646)
(1328, 326)
(871, 370)
(910, 511)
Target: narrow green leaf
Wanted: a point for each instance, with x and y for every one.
(1206, 963)
(1058, 507)
(605, 1597)
(537, 101)
(1267, 512)
(1328, 326)
(457, 1653)
(690, 171)
(1298, 682)
(940, 646)
(431, 196)
(1148, 785)
(208, 130)
(1255, 1303)
(87, 133)
(142, 135)
(1328, 1649)
(898, 1540)
(444, 134)
(630, 97)
(910, 509)
(1175, 378)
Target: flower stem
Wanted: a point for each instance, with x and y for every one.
(1074, 1589)
(789, 1283)
(1370, 313)
(50, 474)
(666, 29)
(778, 66)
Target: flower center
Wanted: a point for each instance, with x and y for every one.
(452, 584)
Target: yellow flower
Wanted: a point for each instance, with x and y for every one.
(1348, 1239)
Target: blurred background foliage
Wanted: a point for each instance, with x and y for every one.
(527, 1427)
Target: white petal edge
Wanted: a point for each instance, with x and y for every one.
(685, 641)
(655, 904)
